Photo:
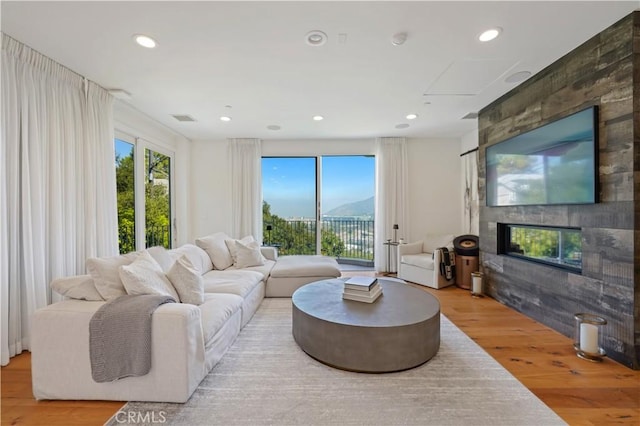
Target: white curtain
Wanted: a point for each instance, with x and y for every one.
(246, 187)
(471, 202)
(57, 187)
(391, 198)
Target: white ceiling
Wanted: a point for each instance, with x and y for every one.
(253, 57)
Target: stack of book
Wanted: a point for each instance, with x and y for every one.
(362, 289)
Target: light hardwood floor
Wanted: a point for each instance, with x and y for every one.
(581, 392)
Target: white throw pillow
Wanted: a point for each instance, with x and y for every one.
(105, 274)
(231, 245)
(144, 276)
(217, 250)
(187, 281)
(80, 287)
(248, 255)
(198, 257)
(164, 257)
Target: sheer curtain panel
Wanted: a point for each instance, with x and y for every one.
(57, 189)
(246, 187)
(471, 202)
(391, 196)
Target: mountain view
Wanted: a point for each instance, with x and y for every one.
(357, 208)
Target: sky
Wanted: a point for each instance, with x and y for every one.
(123, 148)
(288, 183)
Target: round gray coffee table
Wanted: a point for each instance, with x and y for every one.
(400, 330)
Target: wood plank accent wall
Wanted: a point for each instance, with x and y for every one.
(604, 71)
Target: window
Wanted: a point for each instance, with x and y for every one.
(125, 184)
(157, 212)
(321, 205)
(561, 247)
(144, 181)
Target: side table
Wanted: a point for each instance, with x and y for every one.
(389, 244)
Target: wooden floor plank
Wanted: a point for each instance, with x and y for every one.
(581, 392)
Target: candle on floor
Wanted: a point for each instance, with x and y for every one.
(589, 338)
(477, 284)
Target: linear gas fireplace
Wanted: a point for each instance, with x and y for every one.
(554, 246)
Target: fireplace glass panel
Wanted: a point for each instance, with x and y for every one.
(554, 246)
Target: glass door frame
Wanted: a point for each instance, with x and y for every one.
(140, 145)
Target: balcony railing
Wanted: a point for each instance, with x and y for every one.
(346, 239)
(154, 236)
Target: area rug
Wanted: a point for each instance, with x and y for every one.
(265, 379)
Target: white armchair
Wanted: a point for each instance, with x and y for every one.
(419, 262)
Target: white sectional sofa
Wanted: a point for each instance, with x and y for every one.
(187, 339)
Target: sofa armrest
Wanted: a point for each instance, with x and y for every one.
(60, 359)
(410, 248)
(270, 253)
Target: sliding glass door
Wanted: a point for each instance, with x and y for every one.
(289, 212)
(143, 181)
(125, 184)
(347, 208)
(157, 199)
(320, 205)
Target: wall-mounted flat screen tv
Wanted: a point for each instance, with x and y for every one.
(553, 164)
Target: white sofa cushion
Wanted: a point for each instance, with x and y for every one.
(305, 266)
(187, 281)
(105, 274)
(145, 276)
(198, 257)
(433, 242)
(264, 269)
(217, 250)
(247, 241)
(216, 311)
(80, 287)
(248, 255)
(231, 245)
(163, 256)
(423, 260)
(238, 282)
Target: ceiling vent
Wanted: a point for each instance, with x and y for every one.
(183, 117)
(470, 116)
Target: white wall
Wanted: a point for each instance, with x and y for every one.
(434, 180)
(132, 122)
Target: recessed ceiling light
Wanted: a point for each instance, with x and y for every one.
(145, 41)
(273, 127)
(490, 34)
(517, 77)
(402, 126)
(412, 116)
(318, 117)
(316, 38)
(225, 118)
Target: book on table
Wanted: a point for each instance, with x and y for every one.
(362, 296)
(361, 283)
(363, 291)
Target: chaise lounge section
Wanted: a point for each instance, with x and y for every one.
(187, 339)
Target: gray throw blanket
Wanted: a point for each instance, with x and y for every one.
(120, 337)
